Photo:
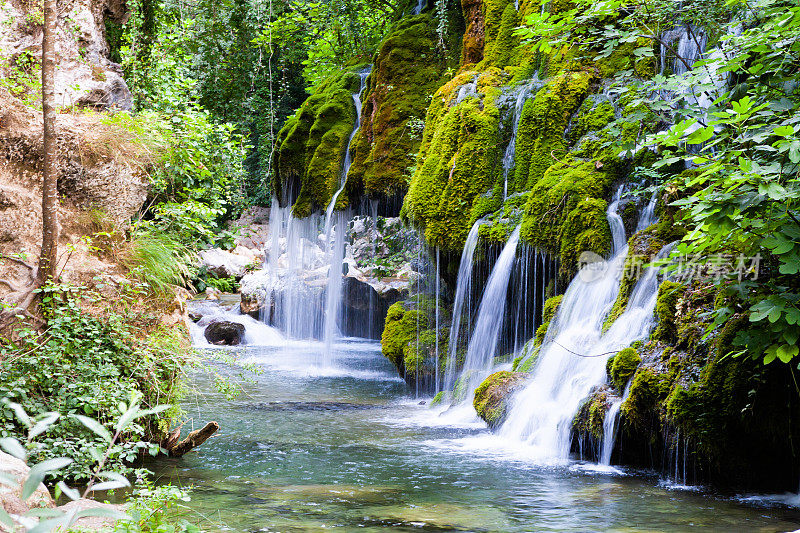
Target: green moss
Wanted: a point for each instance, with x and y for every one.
(311, 145)
(458, 160)
(623, 58)
(565, 213)
(551, 306)
(399, 331)
(625, 364)
(669, 293)
(642, 405)
(591, 415)
(407, 71)
(549, 310)
(490, 396)
(540, 136)
(594, 114)
(501, 42)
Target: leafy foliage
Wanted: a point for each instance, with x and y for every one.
(730, 118)
(93, 364)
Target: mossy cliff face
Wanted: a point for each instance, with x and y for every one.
(407, 70)
(311, 145)
(459, 157)
(730, 416)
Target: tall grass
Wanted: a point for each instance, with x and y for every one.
(158, 260)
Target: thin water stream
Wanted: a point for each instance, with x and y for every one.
(305, 448)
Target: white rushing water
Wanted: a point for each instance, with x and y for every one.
(463, 288)
(483, 342)
(336, 243)
(573, 356)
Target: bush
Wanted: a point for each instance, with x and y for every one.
(94, 357)
(157, 260)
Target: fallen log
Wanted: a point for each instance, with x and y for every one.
(193, 440)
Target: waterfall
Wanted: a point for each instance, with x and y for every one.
(508, 156)
(335, 245)
(485, 337)
(436, 348)
(569, 364)
(419, 7)
(574, 353)
(610, 427)
(463, 287)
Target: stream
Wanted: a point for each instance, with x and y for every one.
(348, 447)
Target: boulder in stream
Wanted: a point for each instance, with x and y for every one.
(491, 396)
(224, 333)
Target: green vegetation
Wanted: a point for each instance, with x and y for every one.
(491, 395)
(407, 70)
(92, 357)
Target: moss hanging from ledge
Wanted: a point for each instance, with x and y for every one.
(407, 71)
(311, 144)
(540, 137)
(565, 213)
(459, 157)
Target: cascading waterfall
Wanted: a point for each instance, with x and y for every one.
(508, 156)
(485, 337)
(304, 272)
(463, 288)
(335, 243)
(610, 427)
(574, 352)
(419, 7)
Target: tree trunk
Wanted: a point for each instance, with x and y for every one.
(49, 253)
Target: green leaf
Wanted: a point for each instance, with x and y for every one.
(71, 493)
(103, 512)
(39, 471)
(96, 427)
(126, 418)
(155, 410)
(786, 352)
(6, 520)
(43, 425)
(700, 136)
(21, 414)
(784, 131)
(13, 447)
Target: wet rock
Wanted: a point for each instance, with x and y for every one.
(224, 333)
(225, 264)
(492, 394)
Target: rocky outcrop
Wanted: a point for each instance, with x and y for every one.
(224, 333)
(85, 77)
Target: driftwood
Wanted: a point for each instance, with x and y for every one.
(193, 440)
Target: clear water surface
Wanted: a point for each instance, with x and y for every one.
(348, 448)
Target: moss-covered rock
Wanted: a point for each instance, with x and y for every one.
(666, 306)
(549, 310)
(588, 421)
(407, 70)
(566, 214)
(491, 395)
(459, 157)
(623, 367)
(311, 144)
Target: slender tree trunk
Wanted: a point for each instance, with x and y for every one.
(49, 254)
